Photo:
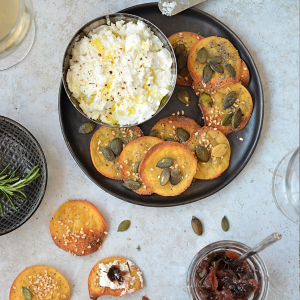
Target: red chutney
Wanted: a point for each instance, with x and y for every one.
(218, 278)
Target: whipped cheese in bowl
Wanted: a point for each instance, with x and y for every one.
(120, 73)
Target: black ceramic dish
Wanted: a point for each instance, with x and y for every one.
(18, 147)
(196, 21)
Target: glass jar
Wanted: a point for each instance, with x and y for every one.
(255, 262)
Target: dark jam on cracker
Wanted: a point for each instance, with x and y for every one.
(219, 278)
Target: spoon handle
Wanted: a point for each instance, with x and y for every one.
(274, 237)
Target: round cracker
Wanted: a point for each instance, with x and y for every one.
(166, 127)
(216, 46)
(103, 137)
(95, 290)
(40, 276)
(213, 115)
(189, 39)
(210, 138)
(132, 154)
(184, 161)
(245, 76)
(78, 227)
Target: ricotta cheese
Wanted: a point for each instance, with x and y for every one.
(104, 281)
(120, 73)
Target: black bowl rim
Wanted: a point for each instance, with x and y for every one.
(46, 173)
(174, 76)
(167, 203)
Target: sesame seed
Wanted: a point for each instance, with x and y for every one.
(241, 139)
(215, 128)
(105, 232)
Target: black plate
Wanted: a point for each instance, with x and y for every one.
(18, 147)
(199, 22)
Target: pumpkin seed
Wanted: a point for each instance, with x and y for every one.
(229, 99)
(182, 60)
(182, 134)
(170, 140)
(124, 225)
(226, 121)
(206, 100)
(207, 73)
(86, 127)
(108, 154)
(116, 146)
(202, 153)
(184, 72)
(219, 150)
(236, 118)
(164, 177)
(202, 55)
(183, 96)
(225, 224)
(131, 185)
(230, 70)
(27, 294)
(165, 163)
(175, 177)
(152, 132)
(216, 59)
(136, 167)
(197, 226)
(216, 67)
(179, 48)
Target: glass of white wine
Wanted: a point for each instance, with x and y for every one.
(17, 31)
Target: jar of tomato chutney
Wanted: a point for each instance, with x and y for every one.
(213, 274)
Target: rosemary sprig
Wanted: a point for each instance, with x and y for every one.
(11, 185)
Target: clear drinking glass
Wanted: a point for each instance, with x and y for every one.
(285, 186)
(255, 262)
(17, 31)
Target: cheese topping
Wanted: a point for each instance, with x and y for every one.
(120, 73)
(127, 280)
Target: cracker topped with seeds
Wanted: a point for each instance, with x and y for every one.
(174, 128)
(212, 151)
(78, 227)
(115, 276)
(41, 283)
(182, 43)
(168, 168)
(106, 146)
(213, 62)
(245, 75)
(129, 162)
(227, 109)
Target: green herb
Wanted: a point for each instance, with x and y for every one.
(11, 185)
(138, 248)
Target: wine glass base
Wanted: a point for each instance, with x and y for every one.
(20, 53)
(287, 200)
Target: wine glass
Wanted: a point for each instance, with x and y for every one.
(285, 185)
(17, 31)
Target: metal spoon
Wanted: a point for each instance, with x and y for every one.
(173, 7)
(276, 236)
